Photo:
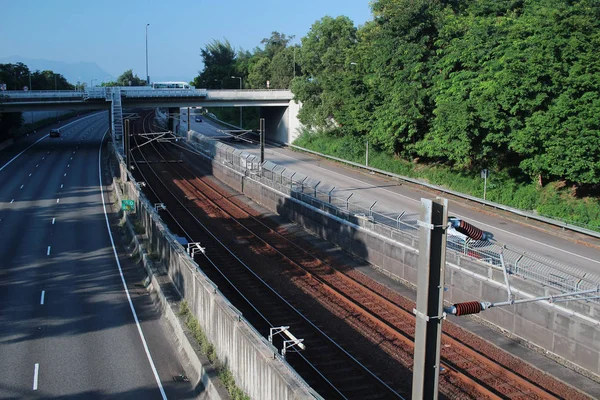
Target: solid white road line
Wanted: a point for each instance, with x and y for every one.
(48, 253)
(42, 297)
(112, 242)
(36, 371)
(40, 139)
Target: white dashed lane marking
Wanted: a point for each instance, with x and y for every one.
(36, 371)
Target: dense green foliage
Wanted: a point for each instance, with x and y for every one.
(127, 78)
(509, 84)
(451, 85)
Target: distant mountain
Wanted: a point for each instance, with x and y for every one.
(81, 71)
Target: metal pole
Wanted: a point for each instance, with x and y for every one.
(367, 154)
(147, 76)
(127, 146)
(430, 290)
(484, 185)
(30, 81)
(262, 140)
(189, 129)
(55, 87)
(240, 78)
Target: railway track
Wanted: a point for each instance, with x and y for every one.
(467, 373)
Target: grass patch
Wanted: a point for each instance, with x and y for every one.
(138, 227)
(552, 200)
(208, 350)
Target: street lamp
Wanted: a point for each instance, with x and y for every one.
(147, 76)
(240, 78)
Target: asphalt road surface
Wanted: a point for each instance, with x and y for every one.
(67, 325)
(394, 198)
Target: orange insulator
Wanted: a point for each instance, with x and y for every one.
(470, 307)
(471, 231)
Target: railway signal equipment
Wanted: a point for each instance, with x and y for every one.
(194, 248)
(287, 344)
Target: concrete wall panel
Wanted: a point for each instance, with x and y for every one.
(534, 333)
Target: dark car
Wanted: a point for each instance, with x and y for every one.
(55, 132)
(198, 118)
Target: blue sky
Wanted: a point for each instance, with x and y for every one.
(112, 33)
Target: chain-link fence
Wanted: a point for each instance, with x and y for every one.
(544, 271)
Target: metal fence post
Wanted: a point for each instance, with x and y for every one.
(371, 209)
(348, 202)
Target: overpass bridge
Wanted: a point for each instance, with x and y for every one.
(276, 106)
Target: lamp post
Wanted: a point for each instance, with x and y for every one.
(147, 76)
(240, 78)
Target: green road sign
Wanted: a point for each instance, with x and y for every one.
(127, 205)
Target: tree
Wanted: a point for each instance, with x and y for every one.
(324, 56)
(219, 65)
(128, 79)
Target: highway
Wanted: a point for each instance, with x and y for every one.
(394, 197)
(68, 326)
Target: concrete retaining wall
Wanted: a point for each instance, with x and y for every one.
(569, 330)
(34, 116)
(255, 364)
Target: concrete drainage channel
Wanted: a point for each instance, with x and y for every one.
(255, 364)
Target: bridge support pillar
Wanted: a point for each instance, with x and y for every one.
(282, 123)
(174, 119)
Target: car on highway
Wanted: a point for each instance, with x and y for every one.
(198, 119)
(54, 132)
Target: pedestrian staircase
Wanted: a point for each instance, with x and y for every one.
(117, 116)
